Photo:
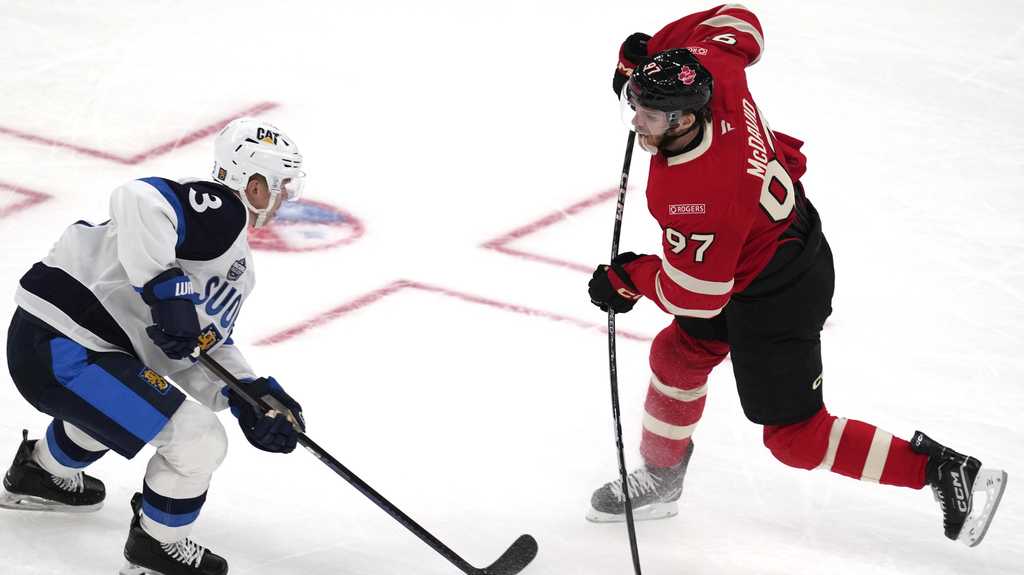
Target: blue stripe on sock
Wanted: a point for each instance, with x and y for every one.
(58, 453)
(67, 452)
(168, 510)
(169, 519)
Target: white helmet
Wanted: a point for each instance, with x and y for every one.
(248, 146)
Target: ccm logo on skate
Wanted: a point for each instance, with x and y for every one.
(958, 492)
(155, 380)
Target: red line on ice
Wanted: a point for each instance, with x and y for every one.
(157, 150)
(500, 244)
(31, 198)
(378, 294)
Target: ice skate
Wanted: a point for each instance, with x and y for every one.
(27, 486)
(957, 481)
(653, 493)
(147, 556)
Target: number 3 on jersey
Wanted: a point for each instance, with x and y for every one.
(201, 202)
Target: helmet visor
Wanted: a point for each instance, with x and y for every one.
(643, 120)
(290, 185)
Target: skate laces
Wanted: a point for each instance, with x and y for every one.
(73, 483)
(186, 551)
(640, 481)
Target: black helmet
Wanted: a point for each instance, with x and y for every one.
(671, 80)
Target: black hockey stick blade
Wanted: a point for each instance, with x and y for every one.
(515, 558)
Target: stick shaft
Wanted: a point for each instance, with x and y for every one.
(612, 369)
(343, 471)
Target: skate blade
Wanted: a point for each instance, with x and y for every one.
(20, 502)
(991, 483)
(133, 569)
(645, 513)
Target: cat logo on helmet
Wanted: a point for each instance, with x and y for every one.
(156, 380)
(266, 136)
(208, 338)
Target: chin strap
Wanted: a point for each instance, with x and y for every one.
(261, 215)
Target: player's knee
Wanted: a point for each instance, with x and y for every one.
(802, 444)
(683, 361)
(198, 442)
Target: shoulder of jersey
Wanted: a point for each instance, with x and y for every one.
(212, 216)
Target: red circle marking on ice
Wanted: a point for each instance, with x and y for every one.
(306, 226)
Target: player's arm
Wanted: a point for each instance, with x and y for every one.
(150, 223)
(695, 281)
(731, 28)
(148, 216)
(206, 387)
(276, 432)
(694, 277)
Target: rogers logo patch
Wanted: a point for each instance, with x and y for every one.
(698, 50)
(686, 209)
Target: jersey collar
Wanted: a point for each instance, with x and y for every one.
(695, 152)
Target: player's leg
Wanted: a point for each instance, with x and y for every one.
(776, 357)
(189, 448)
(47, 474)
(776, 354)
(680, 364)
(848, 447)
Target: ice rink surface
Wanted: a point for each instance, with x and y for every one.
(445, 349)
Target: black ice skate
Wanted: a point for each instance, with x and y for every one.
(956, 482)
(147, 556)
(28, 486)
(653, 493)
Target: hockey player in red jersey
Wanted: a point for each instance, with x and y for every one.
(745, 270)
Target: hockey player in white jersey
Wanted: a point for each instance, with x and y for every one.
(116, 307)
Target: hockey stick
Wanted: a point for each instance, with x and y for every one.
(612, 370)
(512, 561)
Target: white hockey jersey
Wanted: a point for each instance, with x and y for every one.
(88, 287)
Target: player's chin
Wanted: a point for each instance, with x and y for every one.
(650, 143)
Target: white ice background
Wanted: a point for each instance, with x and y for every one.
(442, 125)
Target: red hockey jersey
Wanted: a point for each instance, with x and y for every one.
(722, 205)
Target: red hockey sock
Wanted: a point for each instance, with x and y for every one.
(847, 447)
(675, 399)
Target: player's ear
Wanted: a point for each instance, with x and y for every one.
(686, 121)
(253, 190)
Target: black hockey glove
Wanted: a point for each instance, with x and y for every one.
(277, 433)
(610, 287)
(172, 302)
(632, 52)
